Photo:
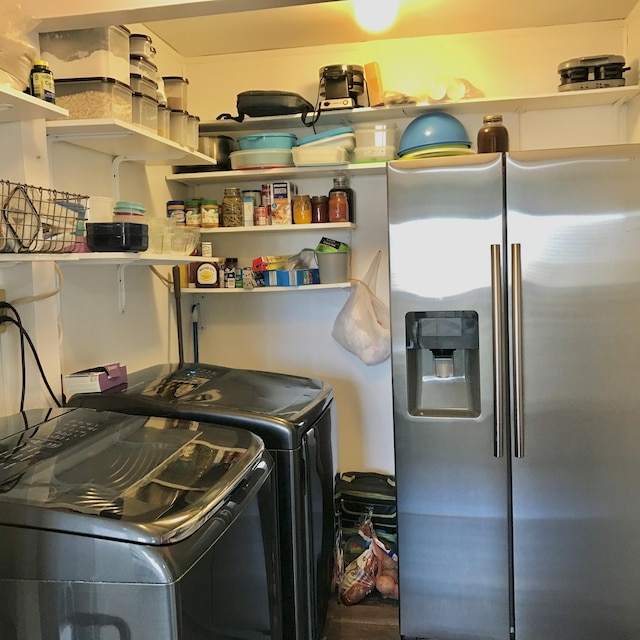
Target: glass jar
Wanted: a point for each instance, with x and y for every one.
(338, 206)
(209, 214)
(341, 183)
(493, 137)
(301, 209)
(232, 214)
(319, 209)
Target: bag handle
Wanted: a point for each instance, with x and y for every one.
(371, 276)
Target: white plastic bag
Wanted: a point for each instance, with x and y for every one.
(16, 51)
(362, 326)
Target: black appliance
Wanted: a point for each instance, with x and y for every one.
(593, 72)
(340, 86)
(135, 527)
(295, 417)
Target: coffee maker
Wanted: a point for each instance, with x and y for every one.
(340, 86)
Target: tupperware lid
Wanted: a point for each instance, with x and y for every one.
(129, 205)
(340, 131)
(138, 57)
(144, 36)
(109, 475)
(96, 79)
(139, 76)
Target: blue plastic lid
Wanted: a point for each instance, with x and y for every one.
(254, 136)
(128, 206)
(323, 136)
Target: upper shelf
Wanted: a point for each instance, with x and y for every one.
(559, 100)
(98, 258)
(16, 106)
(122, 139)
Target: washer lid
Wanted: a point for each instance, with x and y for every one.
(104, 474)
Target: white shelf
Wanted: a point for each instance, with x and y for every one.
(16, 106)
(306, 287)
(253, 175)
(559, 100)
(117, 258)
(122, 139)
(279, 228)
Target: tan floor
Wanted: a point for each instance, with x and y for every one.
(372, 619)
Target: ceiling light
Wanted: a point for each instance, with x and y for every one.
(375, 15)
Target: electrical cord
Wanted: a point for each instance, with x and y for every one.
(25, 336)
(42, 296)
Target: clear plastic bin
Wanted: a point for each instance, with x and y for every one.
(140, 65)
(87, 53)
(164, 121)
(145, 111)
(193, 132)
(140, 45)
(140, 84)
(175, 89)
(94, 98)
(178, 126)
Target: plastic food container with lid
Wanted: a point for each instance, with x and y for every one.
(87, 53)
(142, 84)
(178, 126)
(376, 135)
(140, 65)
(164, 121)
(94, 98)
(140, 45)
(374, 153)
(311, 156)
(175, 88)
(273, 140)
(261, 158)
(340, 137)
(193, 132)
(144, 111)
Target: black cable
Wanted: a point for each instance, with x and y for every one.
(23, 362)
(23, 332)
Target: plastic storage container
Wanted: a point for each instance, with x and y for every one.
(144, 111)
(164, 121)
(117, 236)
(267, 141)
(261, 159)
(178, 126)
(193, 131)
(146, 68)
(87, 53)
(175, 89)
(95, 98)
(140, 45)
(141, 84)
(376, 135)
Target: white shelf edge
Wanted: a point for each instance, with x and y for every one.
(306, 287)
(16, 106)
(123, 139)
(279, 228)
(98, 257)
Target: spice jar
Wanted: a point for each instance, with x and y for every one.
(232, 214)
(338, 207)
(493, 137)
(341, 183)
(301, 209)
(319, 209)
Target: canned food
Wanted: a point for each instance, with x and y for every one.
(261, 216)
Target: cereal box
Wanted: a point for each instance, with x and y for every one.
(281, 205)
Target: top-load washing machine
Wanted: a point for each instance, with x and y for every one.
(122, 527)
(295, 417)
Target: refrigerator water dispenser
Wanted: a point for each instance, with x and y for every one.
(443, 376)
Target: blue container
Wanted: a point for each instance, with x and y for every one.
(275, 140)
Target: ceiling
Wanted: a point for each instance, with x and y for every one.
(331, 22)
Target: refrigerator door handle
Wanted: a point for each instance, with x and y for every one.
(516, 320)
(498, 359)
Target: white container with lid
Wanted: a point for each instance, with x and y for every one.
(175, 88)
(141, 84)
(143, 66)
(376, 135)
(164, 121)
(178, 126)
(140, 45)
(87, 53)
(193, 132)
(144, 111)
(94, 98)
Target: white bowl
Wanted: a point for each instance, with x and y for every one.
(261, 158)
(311, 155)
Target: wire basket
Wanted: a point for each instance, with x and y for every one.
(39, 220)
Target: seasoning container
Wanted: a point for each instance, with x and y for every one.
(41, 82)
(338, 206)
(261, 216)
(192, 215)
(207, 273)
(248, 207)
(341, 183)
(319, 209)
(493, 137)
(230, 270)
(301, 209)
(232, 214)
(176, 211)
(209, 214)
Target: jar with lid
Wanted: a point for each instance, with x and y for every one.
(338, 206)
(192, 214)
(341, 183)
(493, 137)
(209, 214)
(319, 209)
(301, 209)
(176, 210)
(232, 213)
(41, 83)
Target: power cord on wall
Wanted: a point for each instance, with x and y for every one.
(4, 318)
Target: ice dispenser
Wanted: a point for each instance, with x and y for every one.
(443, 376)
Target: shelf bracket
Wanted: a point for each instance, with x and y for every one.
(121, 289)
(119, 160)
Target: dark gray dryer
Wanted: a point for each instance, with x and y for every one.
(295, 417)
(124, 527)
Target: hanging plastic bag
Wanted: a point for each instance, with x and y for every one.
(362, 326)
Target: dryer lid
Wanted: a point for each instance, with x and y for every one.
(105, 474)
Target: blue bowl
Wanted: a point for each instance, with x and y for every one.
(431, 130)
(274, 140)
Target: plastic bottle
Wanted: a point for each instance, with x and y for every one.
(301, 209)
(341, 183)
(493, 137)
(41, 82)
(232, 213)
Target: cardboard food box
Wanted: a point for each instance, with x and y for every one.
(269, 263)
(282, 203)
(295, 278)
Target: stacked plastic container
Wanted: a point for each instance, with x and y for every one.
(375, 142)
(143, 77)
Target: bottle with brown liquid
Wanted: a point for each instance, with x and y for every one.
(493, 137)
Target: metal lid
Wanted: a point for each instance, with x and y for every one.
(104, 474)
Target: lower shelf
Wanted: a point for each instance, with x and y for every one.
(306, 287)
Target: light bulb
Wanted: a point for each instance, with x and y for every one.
(375, 15)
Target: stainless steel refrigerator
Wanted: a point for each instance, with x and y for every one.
(515, 315)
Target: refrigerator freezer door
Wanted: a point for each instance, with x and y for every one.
(445, 215)
(576, 216)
